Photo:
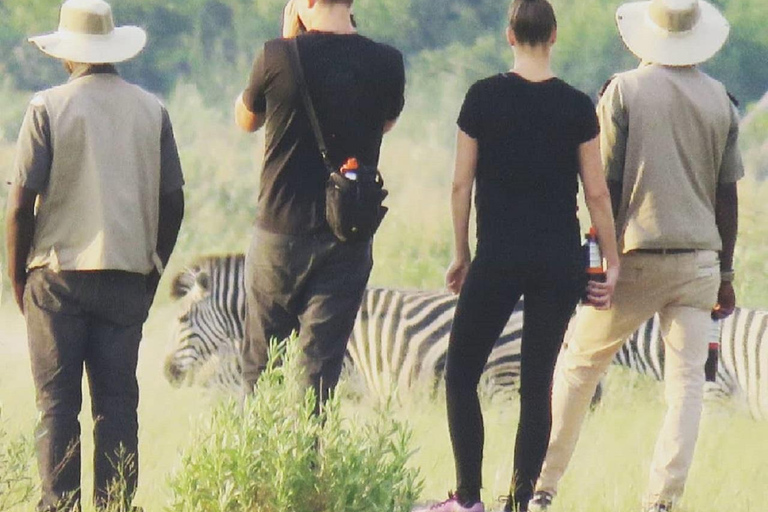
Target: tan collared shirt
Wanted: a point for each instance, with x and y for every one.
(99, 151)
(670, 135)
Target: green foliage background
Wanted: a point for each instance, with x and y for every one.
(198, 59)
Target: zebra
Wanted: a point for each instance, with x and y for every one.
(400, 339)
(208, 332)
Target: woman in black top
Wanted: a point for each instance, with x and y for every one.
(524, 137)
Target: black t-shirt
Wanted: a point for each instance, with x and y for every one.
(528, 136)
(356, 86)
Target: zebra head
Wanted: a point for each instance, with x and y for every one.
(207, 331)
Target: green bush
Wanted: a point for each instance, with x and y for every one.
(16, 484)
(271, 453)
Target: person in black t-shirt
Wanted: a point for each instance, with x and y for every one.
(298, 275)
(524, 138)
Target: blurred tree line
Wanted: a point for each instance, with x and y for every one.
(211, 42)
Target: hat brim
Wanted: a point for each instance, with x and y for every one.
(122, 44)
(653, 44)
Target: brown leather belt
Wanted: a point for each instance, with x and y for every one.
(664, 251)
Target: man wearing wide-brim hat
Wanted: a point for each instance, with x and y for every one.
(669, 143)
(94, 209)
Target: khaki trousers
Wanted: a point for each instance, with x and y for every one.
(682, 289)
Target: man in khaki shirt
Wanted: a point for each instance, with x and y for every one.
(669, 141)
(94, 210)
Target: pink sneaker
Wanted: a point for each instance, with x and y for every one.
(452, 504)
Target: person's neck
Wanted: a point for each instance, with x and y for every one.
(334, 18)
(533, 63)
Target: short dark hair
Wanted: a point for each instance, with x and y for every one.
(532, 21)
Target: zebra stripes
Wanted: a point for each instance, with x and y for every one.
(400, 339)
(208, 332)
(743, 366)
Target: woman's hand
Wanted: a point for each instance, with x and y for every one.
(599, 295)
(456, 274)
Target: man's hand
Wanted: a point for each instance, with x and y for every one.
(152, 280)
(292, 25)
(19, 232)
(726, 301)
(18, 292)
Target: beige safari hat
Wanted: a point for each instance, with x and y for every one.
(87, 34)
(672, 32)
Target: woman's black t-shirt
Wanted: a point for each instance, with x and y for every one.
(528, 136)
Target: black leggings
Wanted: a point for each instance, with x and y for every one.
(490, 292)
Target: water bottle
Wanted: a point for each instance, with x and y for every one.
(710, 367)
(594, 257)
(349, 169)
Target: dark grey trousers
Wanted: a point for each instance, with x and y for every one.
(310, 284)
(90, 320)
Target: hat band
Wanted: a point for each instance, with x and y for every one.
(674, 20)
(85, 22)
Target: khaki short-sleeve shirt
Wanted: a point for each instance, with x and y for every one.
(670, 136)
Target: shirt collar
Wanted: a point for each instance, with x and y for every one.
(81, 70)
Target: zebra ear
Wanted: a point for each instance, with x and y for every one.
(203, 280)
(188, 280)
(182, 284)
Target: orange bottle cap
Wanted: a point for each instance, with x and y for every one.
(350, 165)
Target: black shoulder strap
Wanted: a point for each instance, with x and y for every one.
(605, 87)
(298, 73)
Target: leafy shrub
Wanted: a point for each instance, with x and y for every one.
(271, 453)
(16, 485)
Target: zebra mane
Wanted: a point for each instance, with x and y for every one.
(197, 277)
(191, 277)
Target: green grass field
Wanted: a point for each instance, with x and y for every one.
(607, 474)
(412, 250)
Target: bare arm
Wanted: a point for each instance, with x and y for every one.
(461, 205)
(726, 217)
(598, 199)
(245, 119)
(20, 230)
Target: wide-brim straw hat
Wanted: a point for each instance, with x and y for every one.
(87, 34)
(672, 32)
